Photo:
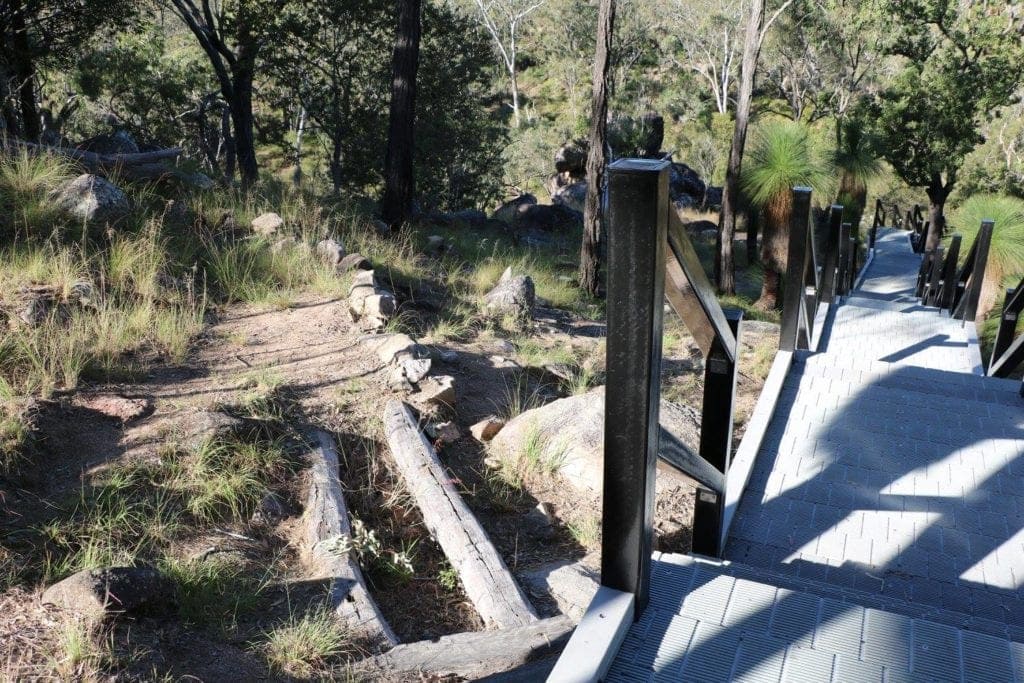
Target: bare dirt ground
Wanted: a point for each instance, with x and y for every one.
(314, 357)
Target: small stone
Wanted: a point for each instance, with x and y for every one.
(118, 407)
(513, 295)
(444, 432)
(331, 251)
(541, 520)
(505, 347)
(447, 356)
(397, 381)
(487, 429)
(98, 592)
(354, 262)
(82, 293)
(439, 390)
(416, 369)
(267, 224)
(269, 511)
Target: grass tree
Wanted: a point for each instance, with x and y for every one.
(1005, 264)
(856, 164)
(782, 156)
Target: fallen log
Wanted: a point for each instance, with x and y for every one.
(473, 655)
(325, 525)
(369, 304)
(487, 581)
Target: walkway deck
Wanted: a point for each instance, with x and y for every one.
(881, 537)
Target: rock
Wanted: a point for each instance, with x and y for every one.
(119, 142)
(547, 218)
(571, 158)
(380, 227)
(700, 227)
(435, 245)
(396, 348)
(99, 592)
(509, 211)
(504, 346)
(571, 196)
(444, 432)
(368, 304)
(470, 217)
(117, 407)
(684, 181)
(712, 199)
(540, 521)
(447, 355)
(267, 224)
(34, 310)
(92, 199)
(269, 511)
(513, 295)
(82, 293)
(282, 244)
(653, 124)
(397, 381)
(354, 262)
(330, 251)
(177, 214)
(487, 428)
(416, 369)
(571, 433)
(439, 391)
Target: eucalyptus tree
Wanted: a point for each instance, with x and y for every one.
(399, 173)
(956, 63)
(504, 21)
(233, 34)
(709, 38)
(40, 33)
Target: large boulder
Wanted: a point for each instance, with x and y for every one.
(547, 218)
(570, 435)
(513, 295)
(712, 198)
(92, 199)
(509, 211)
(571, 196)
(571, 159)
(119, 142)
(685, 186)
(98, 592)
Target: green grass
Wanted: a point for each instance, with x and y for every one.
(307, 646)
(212, 591)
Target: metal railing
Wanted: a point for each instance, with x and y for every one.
(918, 227)
(1007, 352)
(942, 284)
(650, 257)
(808, 285)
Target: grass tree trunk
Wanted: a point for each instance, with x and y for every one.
(590, 253)
(399, 181)
(774, 247)
(725, 275)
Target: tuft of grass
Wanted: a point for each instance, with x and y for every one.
(81, 650)
(539, 455)
(519, 398)
(307, 646)
(586, 531)
(212, 591)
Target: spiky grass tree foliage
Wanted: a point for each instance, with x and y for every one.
(856, 163)
(782, 156)
(1006, 255)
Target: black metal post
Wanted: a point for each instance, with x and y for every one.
(638, 205)
(927, 261)
(844, 260)
(792, 296)
(1007, 328)
(716, 435)
(949, 274)
(973, 293)
(831, 249)
(934, 279)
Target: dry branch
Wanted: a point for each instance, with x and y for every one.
(488, 582)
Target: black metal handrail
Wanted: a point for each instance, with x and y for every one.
(969, 279)
(650, 257)
(878, 222)
(808, 286)
(919, 227)
(1007, 352)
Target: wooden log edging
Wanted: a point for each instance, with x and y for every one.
(488, 583)
(473, 655)
(325, 522)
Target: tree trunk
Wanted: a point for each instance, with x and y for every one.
(753, 223)
(300, 130)
(25, 73)
(399, 181)
(775, 247)
(937, 195)
(242, 122)
(514, 78)
(725, 276)
(590, 252)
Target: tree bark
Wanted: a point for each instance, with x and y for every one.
(242, 122)
(937, 195)
(590, 252)
(399, 181)
(725, 276)
(24, 71)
